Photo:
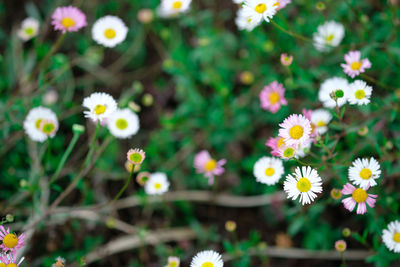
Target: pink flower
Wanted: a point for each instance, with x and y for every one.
(136, 156)
(272, 97)
(282, 3)
(295, 130)
(10, 259)
(10, 241)
(275, 143)
(68, 18)
(340, 245)
(208, 166)
(354, 64)
(286, 59)
(358, 195)
(307, 114)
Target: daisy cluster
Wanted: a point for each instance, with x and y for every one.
(11, 244)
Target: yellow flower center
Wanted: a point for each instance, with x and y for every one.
(210, 165)
(100, 109)
(356, 65)
(37, 123)
(329, 37)
(336, 193)
(277, 3)
(288, 153)
(135, 157)
(359, 94)
(11, 265)
(157, 185)
(260, 8)
(365, 173)
(359, 195)
(29, 31)
(321, 124)
(2, 264)
(273, 97)
(109, 33)
(10, 240)
(396, 237)
(269, 171)
(280, 142)
(296, 132)
(121, 124)
(177, 5)
(303, 184)
(207, 264)
(173, 264)
(48, 127)
(67, 22)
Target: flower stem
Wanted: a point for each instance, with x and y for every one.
(125, 185)
(295, 35)
(92, 146)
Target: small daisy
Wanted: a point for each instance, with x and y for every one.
(244, 21)
(282, 3)
(109, 31)
(305, 183)
(142, 178)
(359, 93)
(275, 143)
(10, 260)
(320, 119)
(123, 123)
(354, 64)
(287, 152)
(41, 123)
(286, 60)
(29, 29)
(303, 149)
(358, 196)
(268, 170)
(336, 193)
(173, 262)
(60, 262)
(157, 184)
(391, 236)
(171, 8)
(363, 172)
(10, 241)
(136, 156)
(258, 10)
(207, 258)
(272, 97)
(100, 105)
(68, 18)
(330, 86)
(328, 35)
(340, 245)
(295, 130)
(204, 163)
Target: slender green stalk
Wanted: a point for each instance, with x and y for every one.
(92, 146)
(295, 35)
(128, 180)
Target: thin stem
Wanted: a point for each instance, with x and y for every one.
(295, 35)
(92, 145)
(128, 180)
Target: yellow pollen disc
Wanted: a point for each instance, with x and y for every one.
(249, 20)
(173, 264)
(329, 37)
(288, 153)
(100, 109)
(277, 3)
(2, 264)
(48, 127)
(396, 237)
(207, 264)
(280, 142)
(303, 184)
(260, 8)
(11, 265)
(321, 124)
(365, 173)
(10, 240)
(37, 123)
(359, 195)
(67, 22)
(135, 157)
(356, 65)
(296, 132)
(177, 5)
(28, 31)
(210, 165)
(269, 171)
(109, 33)
(121, 124)
(359, 94)
(273, 97)
(157, 186)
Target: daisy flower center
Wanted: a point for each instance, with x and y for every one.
(11, 265)
(135, 157)
(157, 185)
(359, 94)
(269, 171)
(356, 65)
(359, 195)
(273, 97)
(67, 22)
(38, 122)
(329, 37)
(303, 184)
(109, 33)
(288, 152)
(29, 31)
(277, 3)
(365, 173)
(99, 109)
(2, 264)
(47, 127)
(177, 5)
(121, 124)
(207, 264)
(296, 132)
(10, 240)
(260, 8)
(396, 237)
(321, 124)
(280, 142)
(210, 165)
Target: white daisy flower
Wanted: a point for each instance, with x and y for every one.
(258, 10)
(123, 123)
(359, 93)
(244, 21)
(330, 86)
(29, 29)
(363, 172)
(305, 183)
(171, 8)
(40, 124)
(391, 236)
(100, 105)
(109, 31)
(287, 152)
(328, 35)
(207, 258)
(295, 130)
(157, 184)
(302, 150)
(238, 1)
(320, 119)
(268, 170)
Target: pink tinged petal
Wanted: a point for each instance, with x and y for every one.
(349, 203)
(371, 201)
(362, 208)
(348, 189)
(366, 63)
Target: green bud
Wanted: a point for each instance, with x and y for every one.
(9, 218)
(77, 128)
(147, 100)
(346, 232)
(339, 93)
